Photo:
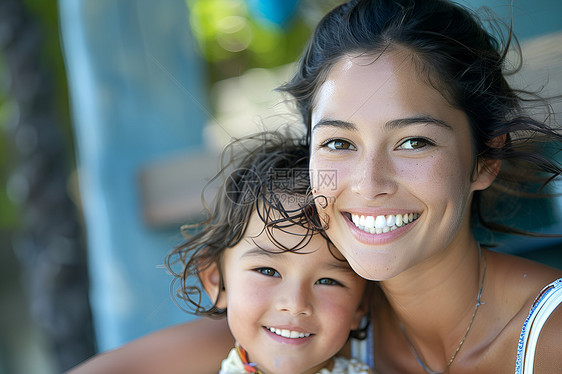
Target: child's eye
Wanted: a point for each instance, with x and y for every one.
(338, 144)
(415, 143)
(328, 282)
(268, 272)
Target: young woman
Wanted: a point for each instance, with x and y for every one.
(407, 105)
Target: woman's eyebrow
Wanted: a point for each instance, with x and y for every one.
(334, 123)
(401, 122)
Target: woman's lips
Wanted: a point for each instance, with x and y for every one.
(389, 227)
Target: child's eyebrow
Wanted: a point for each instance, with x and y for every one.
(257, 251)
(339, 266)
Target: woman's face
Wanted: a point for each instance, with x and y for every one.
(394, 160)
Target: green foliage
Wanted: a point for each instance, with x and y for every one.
(232, 41)
(9, 214)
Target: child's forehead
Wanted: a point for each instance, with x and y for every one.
(287, 236)
(286, 233)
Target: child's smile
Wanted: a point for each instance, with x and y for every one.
(290, 334)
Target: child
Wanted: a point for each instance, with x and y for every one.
(290, 298)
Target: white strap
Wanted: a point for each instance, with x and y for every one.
(543, 310)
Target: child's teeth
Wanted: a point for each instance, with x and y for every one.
(288, 333)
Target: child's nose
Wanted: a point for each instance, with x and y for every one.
(295, 299)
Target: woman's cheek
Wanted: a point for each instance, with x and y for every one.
(323, 175)
(329, 179)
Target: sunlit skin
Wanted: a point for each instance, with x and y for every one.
(312, 293)
(398, 147)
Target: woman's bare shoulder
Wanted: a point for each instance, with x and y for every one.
(195, 347)
(514, 283)
(520, 278)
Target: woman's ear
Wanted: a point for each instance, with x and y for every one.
(211, 279)
(488, 169)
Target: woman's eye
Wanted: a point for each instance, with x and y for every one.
(415, 143)
(338, 144)
(268, 272)
(328, 282)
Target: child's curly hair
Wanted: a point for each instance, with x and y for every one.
(254, 177)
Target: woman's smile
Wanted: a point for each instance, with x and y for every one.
(382, 224)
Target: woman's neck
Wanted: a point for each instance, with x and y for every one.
(435, 301)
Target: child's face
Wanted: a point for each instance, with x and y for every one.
(311, 301)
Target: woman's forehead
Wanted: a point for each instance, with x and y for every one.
(388, 85)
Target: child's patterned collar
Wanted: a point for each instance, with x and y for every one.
(248, 366)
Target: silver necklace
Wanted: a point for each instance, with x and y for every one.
(413, 347)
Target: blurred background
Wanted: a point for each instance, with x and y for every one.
(112, 116)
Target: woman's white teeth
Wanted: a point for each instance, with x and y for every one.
(288, 333)
(383, 224)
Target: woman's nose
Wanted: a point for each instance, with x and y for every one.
(374, 176)
(294, 299)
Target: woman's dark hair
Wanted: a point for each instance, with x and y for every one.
(455, 54)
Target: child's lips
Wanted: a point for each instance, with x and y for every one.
(288, 332)
(302, 338)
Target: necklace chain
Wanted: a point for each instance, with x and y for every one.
(415, 351)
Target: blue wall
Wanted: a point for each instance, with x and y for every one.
(136, 87)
